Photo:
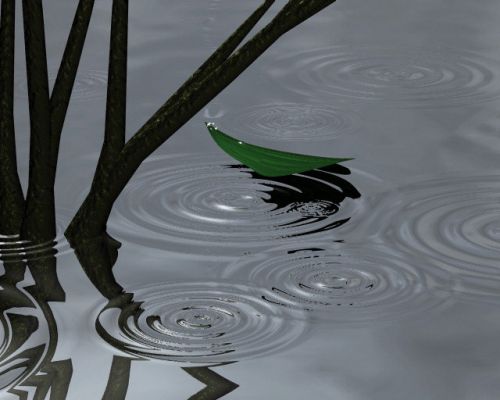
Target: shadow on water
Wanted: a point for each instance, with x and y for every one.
(29, 334)
(195, 323)
(203, 207)
(97, 258)
(314, 194)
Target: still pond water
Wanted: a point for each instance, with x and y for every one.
(381, 281)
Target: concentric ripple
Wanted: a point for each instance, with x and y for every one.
(345, 285)
(12, 248)
(293, 121)
(400, 77)
(199, 206)
(203, 323)
(89, 85)
(452, 222)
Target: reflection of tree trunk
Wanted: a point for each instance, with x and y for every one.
(11, 195)
(49, 375)
(222, 68)
(217, 385)
(119, 376)
(56, 377)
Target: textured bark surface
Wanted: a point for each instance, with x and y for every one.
(63, 87)
(11, 195)
(39, 216)
(222, 68)
(34, 218)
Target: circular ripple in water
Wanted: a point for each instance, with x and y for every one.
(345, 285)
(453, 222)
(203, 323)
(12, 248)
(89, 85)
(292, 121)
(196, 205)
(392, 76)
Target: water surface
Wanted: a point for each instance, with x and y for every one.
(379, 280)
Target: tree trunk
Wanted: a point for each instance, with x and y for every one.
(11, 194)
(207, 82)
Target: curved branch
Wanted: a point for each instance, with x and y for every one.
(177, 111)
(91, 218)
(216, 385)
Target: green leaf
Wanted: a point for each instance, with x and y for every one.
(268, 162)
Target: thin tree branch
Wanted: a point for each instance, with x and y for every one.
(11, 194)
(223, 51)
(116, 102)
(90, 220)
(47, 113)
(115, 132)
(39, 217)
(174, 114)
(61, 93)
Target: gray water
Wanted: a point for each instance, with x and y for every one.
(377, 282)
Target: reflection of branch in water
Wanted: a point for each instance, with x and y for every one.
(97, 258)
(54, 377)
(25, 353)
(217, 385)
(118, 381)
(218, 72)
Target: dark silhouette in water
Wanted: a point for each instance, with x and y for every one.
(32, 217)
(35, 362)
(97, 259)
(120, 160)
(24, 353)
(319, 186)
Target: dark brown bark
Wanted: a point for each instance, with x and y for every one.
(47, 114)
(92, 216)
(116, 101)
(11, 194)
(39, 217)
(63, 87)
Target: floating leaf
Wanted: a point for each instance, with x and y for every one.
(268, 162)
